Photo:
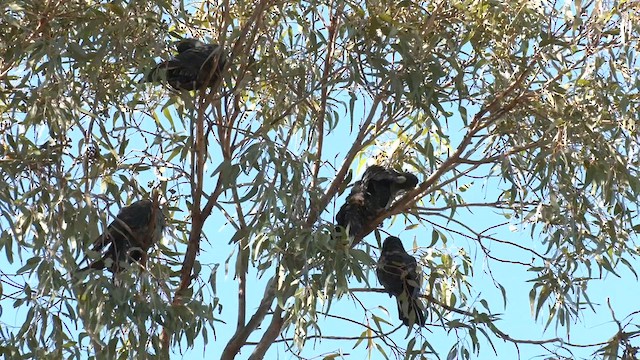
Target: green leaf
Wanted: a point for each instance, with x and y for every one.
(29, 265)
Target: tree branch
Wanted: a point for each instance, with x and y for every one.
(493, 111)
(319, 205)
(333, 27)
(492, 327)
(242, 334)
(269, 335)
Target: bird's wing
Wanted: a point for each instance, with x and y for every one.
(212, 59)
(194, 59)
(378, 182)
(352, 215)
(139, 221)
(121, 233)
(411, 278)
(136, 215)
(404, 267)
(182, 68)
(131, 228)
(116, 230)
(413, 309)
(160, 71)
(378, 173)
(390, 271)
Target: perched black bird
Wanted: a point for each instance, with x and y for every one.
(385, 184)
(357, 211)
(372, 194)
(136, 228)
(397, 273)
(196, 65)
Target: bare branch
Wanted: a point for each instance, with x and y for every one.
(269, 336)
(241, 335)
(318, 206)
(328, 62)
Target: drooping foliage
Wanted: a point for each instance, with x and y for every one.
(521, 114)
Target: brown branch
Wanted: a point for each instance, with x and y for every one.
(241, 273)
(240, 337)
(244, 40)
(492, 327)
(318, 205)
(198, 157)
(493, 112)
(479, 236)
(333, 27)
(329, 337)
(425, 296)
(197, 218)
(378, 334)
(499, 204)
(242, 289)
(199, 215)
(503, 155)
(269, 336)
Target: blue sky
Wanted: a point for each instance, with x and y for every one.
(517, 320)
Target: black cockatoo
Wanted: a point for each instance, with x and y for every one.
(136, 228)
(196, 65)
(357, 211)
(397, 272)
(372, 194)
(385, 184)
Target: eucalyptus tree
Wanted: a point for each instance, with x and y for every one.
(524, 110)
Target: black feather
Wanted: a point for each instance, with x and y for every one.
(196, 65)
(357, 211)
(129, 236)
(397, 272)
(372, 194)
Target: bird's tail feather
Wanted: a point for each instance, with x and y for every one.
(159, 72)
(411, 311)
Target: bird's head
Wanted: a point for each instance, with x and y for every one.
(392, 243)
(408, 180)
(187, 44)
